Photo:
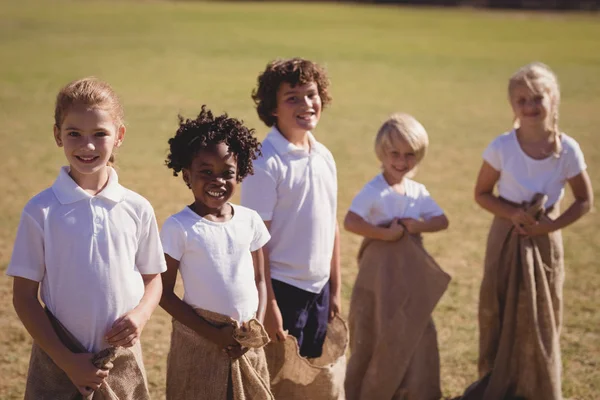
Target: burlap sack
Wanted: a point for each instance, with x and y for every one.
(393, 342)
(294, 377)
(126, 379)
(520, 313)
(197, 369)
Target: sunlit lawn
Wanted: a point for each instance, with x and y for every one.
(447, 67)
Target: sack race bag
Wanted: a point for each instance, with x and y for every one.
(294, 377)
(520, 313)
(197, 369)
(126, 379)
(393, 341)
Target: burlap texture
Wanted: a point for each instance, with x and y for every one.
(126, 379)
(520, 313)
(393, 342)
(197, 369)
(294, 377)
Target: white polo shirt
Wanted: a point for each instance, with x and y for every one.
(297, 191)
(88, 252)
(215, 259)
(378, 203)
(521, 176)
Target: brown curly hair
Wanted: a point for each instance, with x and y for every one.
(295, 71)
(205, 130)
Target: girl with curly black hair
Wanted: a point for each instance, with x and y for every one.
(217, 247)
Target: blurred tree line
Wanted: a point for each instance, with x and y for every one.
(514, 4)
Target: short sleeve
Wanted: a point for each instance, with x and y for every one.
(149, 258)
(363, 202)
(428, 208)
(172, 236)
(259, 193)
(261, 233)
(27, 260)
(492, 155)
(576, 162)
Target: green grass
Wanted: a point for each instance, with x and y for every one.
(449, 68)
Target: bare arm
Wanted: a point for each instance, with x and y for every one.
(584, 198)
(127, 329)
(356, 224)
(335, 282)
(185, 314)
(259, 278)
(273, 319)
(484, 196)
(78, 367)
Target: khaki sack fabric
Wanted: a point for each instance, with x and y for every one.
(520, 313)
(126, 380)
(294, 377)
(197, 369)
(393, 342)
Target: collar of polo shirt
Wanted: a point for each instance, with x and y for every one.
(284, 146)
(67, 191)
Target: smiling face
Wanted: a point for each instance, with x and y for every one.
(397, 161)
(531, 107)
(88, 137)
(212, 178)
(298, 108)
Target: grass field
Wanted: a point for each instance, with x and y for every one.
(447, 67)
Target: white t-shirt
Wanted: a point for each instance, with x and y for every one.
(378, 203)
(215, 259)
(88, 252)
(521, 176)
(297, 191)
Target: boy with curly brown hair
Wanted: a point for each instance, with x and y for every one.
(294, 190)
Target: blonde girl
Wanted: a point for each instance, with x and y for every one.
(92, 249)
(520, 310)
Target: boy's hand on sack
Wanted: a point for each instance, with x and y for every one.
(274, 322)
(84, 375)
(395, 230)
(411, 225)
(335, 306)
(126, 330)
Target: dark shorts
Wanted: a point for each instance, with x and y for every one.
(305, 316)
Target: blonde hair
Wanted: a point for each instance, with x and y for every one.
(539, 78)
(89, 92)
(405, 127)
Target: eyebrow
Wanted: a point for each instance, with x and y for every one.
(74, 128)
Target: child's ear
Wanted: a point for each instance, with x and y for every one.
(186, 177)
(120, 136)
(57, 137)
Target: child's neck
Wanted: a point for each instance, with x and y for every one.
(91, 183)
(221, 214)
(535, 134)
(396, 184)
(297, 138)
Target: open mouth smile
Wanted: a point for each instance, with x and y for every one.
(217, 194)
(87, 159)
